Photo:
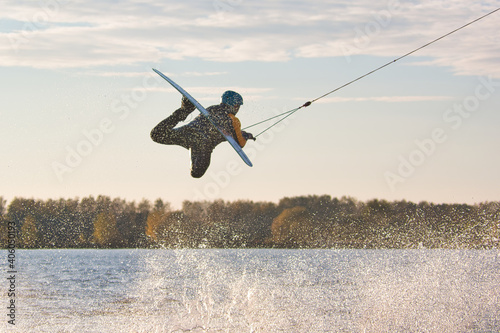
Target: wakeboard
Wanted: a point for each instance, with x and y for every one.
(204, 112)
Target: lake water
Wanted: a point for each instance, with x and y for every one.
(256, 291)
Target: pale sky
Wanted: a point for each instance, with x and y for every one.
(79, 99)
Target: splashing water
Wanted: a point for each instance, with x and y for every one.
(259, 291)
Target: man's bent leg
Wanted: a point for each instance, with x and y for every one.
(200, 160)
(165, 133)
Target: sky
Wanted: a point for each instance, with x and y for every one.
(79, 98)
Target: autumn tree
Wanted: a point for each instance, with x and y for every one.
(105, 230)
(29, 233)
(293, 227)
(3, 223)
(3, 206)
(156, 220)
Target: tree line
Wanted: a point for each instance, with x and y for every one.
(296, 222)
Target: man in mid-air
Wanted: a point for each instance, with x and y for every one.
(200, 136)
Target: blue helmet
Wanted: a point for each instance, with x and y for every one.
(232, 98)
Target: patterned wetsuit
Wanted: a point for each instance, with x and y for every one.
(199, 136)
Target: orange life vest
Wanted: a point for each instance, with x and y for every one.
(237, 129)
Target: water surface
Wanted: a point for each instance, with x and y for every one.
(258, 291)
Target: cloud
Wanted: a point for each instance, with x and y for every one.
(202, 73)
(144, 74)
(72, 34)
(214, 91)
